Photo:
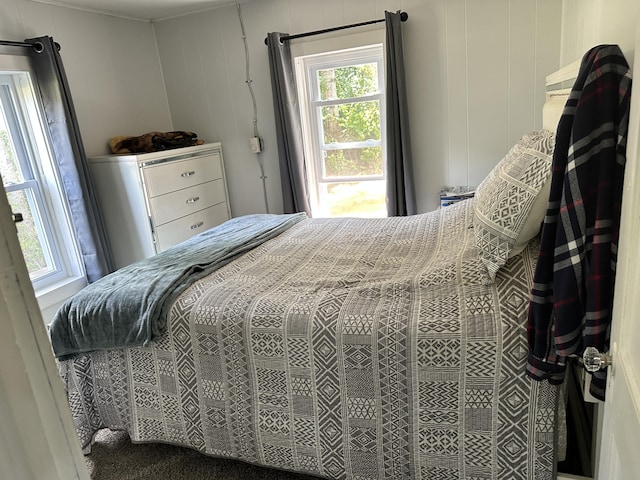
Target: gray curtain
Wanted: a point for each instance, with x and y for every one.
(293, 175)
(401, 198)
(68, 152)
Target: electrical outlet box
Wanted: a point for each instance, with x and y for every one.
(256, 144)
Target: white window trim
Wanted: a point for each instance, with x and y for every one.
(367, 54)
(54, 289)
(305, 68)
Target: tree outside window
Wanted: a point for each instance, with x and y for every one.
(30, 181)
(343, 127)
(23, 193)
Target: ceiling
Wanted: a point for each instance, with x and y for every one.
(141, 9)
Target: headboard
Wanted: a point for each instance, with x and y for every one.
(558, 87)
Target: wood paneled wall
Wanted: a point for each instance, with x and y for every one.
(475, 74)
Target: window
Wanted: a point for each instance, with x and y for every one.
(31, 183)
(342, 111)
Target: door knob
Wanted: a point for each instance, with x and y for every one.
(594, 360)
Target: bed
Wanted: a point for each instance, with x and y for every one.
(351, 348)
(347, 348)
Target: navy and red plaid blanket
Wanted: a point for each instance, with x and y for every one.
(572, 294)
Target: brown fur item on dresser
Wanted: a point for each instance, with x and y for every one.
(153, 142)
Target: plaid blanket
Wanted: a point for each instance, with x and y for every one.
(572, 294)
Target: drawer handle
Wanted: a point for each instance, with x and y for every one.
(188, 174)
(193, 200)
(196, 225)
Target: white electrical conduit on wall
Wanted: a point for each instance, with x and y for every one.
(256, 136)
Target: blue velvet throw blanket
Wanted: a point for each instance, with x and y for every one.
(130, 306)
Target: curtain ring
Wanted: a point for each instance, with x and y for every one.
(38, 47)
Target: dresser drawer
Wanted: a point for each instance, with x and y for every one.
(171, 206)
(176, 175)
(180, 230)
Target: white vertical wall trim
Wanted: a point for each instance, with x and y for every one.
(457, 132)
(466, 93)
(447, 171)
(488, 90)
(162, 79)
(535, 65)
(509, 70)
(521, 61)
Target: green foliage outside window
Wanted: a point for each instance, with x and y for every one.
(347, 122)
(18, 200)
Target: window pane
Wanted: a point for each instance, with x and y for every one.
(348, 82)
(351, 162)
(361, 199)
(30, 233)
(351, 122)
(9, 167)
(344, 130)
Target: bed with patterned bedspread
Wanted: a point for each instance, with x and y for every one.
(344, 348)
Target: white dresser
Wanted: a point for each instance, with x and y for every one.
(152, 201)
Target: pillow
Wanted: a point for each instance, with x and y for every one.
(511, 201)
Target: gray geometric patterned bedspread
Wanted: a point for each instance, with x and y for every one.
(345, 348)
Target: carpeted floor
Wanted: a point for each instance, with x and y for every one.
(114, 457)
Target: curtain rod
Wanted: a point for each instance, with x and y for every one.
(403, 17)
(37, 45)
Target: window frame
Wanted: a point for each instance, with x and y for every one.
(16, 121)
(36, 157)
(310, 106)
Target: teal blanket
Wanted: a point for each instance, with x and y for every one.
(130, 306)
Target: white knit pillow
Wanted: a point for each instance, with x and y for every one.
(512, 200)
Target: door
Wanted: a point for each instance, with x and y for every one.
(619, 458)
(37, 434)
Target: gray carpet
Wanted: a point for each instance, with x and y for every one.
(114, 457)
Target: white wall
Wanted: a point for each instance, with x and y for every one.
(475, 77)
(475, 74)
(587, 23)
(111, 63)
